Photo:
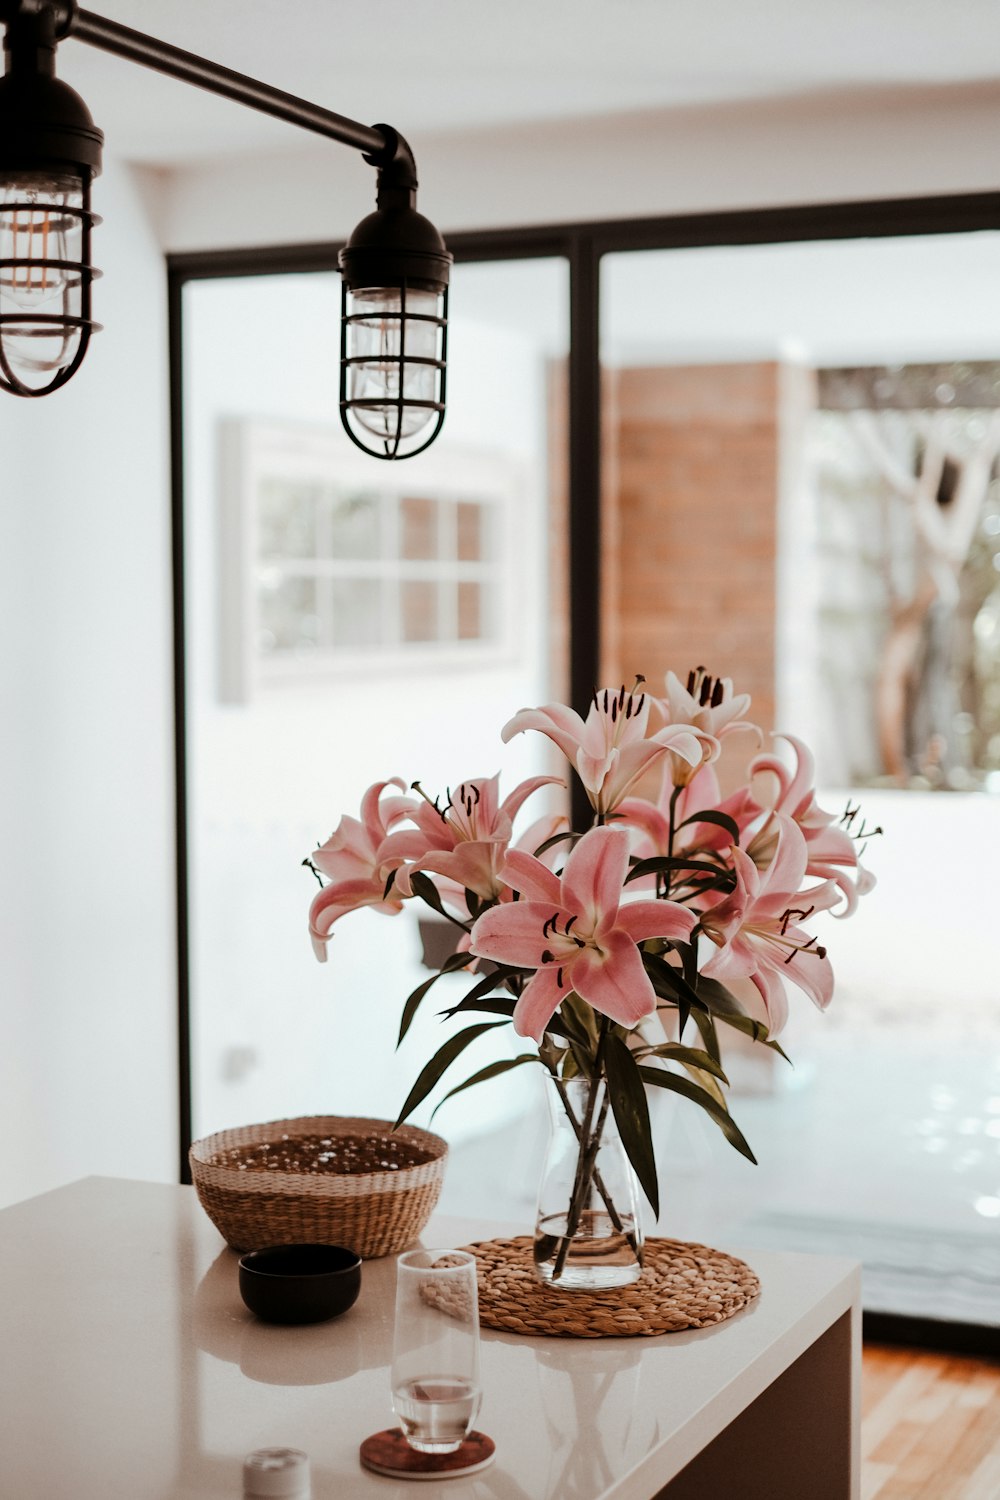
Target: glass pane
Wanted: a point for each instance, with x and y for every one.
(469, 531)
(354, 527)
(803, 492)
(355, 613)
(286, 519)
(288, 617)
(275, 765)
(471, 625)
(419, 524)
(420, 610)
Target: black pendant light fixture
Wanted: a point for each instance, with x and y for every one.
(395, 265)
(50, 149)
(394, 319)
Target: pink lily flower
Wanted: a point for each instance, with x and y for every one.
(707, 707)
(466, 841)
(354, 862)
(576, 934)
(831, 852)
(706, 703)
(612, 748)
(454, 895)
(757, 933)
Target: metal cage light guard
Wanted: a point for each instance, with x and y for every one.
(395, 266)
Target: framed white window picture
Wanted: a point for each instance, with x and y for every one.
(332, 564)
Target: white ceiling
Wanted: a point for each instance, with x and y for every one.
(439, 66)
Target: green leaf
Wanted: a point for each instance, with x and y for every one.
(720, 1001)
(557, 838)
(661, 1079)
(571, 1067)
(487, 1005)
(720, 819)
(709, 1084)
(689, 1057)
(706, 1025)
(579, 1024)
(494, 1070)
(482, 987)
(663, 865)
(424, 887)
(628, 1101)
(668, 981)
(440, 1062)
(757, 1031)
(450, 965)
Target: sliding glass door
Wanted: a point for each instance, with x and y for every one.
(803, 491)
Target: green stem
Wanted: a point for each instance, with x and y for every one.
(674, 796)
(590, 1140)
(609, 1203)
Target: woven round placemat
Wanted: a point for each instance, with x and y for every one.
(682, 1286)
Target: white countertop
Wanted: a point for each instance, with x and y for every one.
(130, 1367)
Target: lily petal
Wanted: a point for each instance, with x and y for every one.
(562, 725)
(334, 901)
(615, 984)
(470, 865)
(649, 919)
(539, 1000)
(595, 872)
(775, 997)
(535, 881)
(511, 804)
(513, 933)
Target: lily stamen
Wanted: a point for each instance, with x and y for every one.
(800, 915)
(436, 803)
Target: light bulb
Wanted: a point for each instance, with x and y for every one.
(379, 337)
(41, 225)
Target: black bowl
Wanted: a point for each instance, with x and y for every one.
(300, 1283)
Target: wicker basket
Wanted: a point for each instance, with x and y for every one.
(374, 1213)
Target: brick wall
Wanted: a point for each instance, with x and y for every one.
(695, 458)
(693, 517)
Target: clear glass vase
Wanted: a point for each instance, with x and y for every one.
(588, 1234)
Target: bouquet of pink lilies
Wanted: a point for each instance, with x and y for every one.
(606, 945)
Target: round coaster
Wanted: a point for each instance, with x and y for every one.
(389, 1453)
(682, 1286)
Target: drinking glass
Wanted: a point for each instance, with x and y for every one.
(435, 1357)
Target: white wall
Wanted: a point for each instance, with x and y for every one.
(839, 146)
(87, 974)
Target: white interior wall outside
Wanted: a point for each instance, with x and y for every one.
(88, 1074)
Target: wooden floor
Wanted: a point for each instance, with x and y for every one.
(930, 1426)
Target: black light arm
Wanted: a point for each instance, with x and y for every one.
(395, 267)
(109, 36)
